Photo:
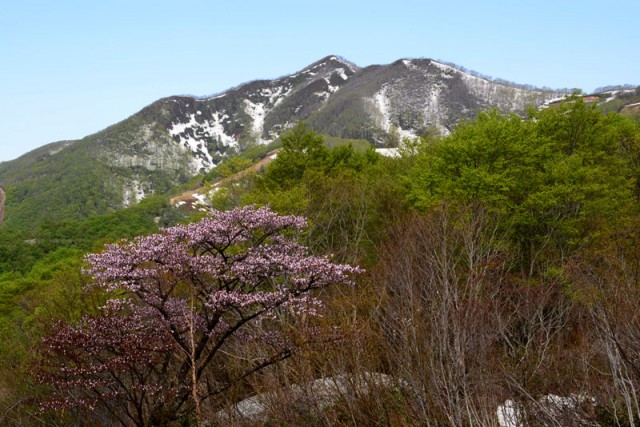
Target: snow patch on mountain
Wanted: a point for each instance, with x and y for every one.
(410, 65)
(192, 135)
(209, 98)
(382, 105)
(315, 66)
(448, 70)
(260, 104)
(383, 110)
(507, 97)
(59, 148)
(550, 101)
(275, 94)
(406, 133)
(257, 113)
(342, 74)
(434, 111)
(613, 94)
(352, 67)
(332, 89)
(318, 69)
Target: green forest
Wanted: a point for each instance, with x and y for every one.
(494, 280)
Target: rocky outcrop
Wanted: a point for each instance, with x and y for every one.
(318, 394)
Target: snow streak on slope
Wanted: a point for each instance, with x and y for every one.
(59, 148)
(342, 73)
(382, 104)
(275, 94)
(243, 115)
(498, 94)
(193, 135)
(383, 117)
(613, 94)
(257, 112)
(259, 104)
(409, 102)
(410, 65)
(420, 96)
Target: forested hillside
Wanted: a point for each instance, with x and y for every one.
(486, 277)
(172, 140)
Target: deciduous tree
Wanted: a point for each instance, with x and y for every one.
(185, 302)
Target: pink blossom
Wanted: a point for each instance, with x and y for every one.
(179, 297)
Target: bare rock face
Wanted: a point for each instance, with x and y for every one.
(315, 395)
(2, 197)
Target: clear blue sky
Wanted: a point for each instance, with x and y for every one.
(71, 68)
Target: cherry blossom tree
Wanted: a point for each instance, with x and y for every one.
(184, 302)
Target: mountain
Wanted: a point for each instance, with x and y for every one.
(621, 99)
(173, 139)
(412, 97)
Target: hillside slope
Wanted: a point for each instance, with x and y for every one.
(175, 138)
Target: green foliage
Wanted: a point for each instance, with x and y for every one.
(352, 209)
(350, 196)
(360, 145)
(301, 149)
(292, 200)
(73, 181)
(549, 178)
(38, 268)
(625, 102)
(551, 186)
(485, 161)
(41, 280)
(21, 249)
(239, 162)
(304, 152)
(55, 188)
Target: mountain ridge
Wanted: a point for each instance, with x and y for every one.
(171, 140)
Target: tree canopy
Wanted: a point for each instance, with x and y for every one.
(548, 177)
(181, 302)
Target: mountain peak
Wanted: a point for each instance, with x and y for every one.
(333, 61)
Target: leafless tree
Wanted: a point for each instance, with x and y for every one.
(609, 278)
(439, 274)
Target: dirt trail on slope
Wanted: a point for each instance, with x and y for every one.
(189, 196)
